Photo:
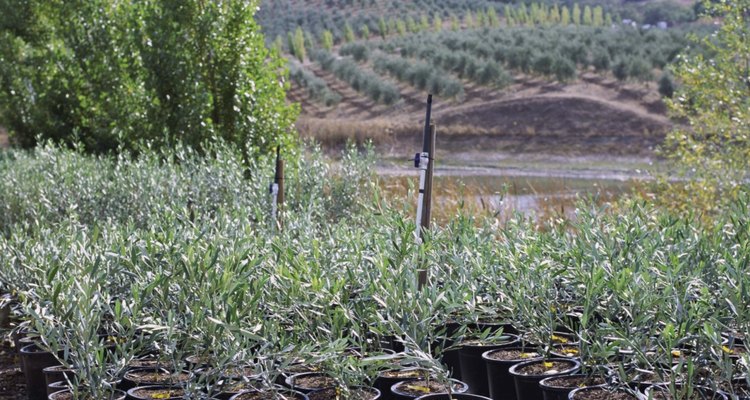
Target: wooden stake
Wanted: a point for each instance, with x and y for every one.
(277, 192)
(279, 179)
(426, 162)
(429, 147)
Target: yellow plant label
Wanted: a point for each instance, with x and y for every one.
(419, 388)
(559, 339)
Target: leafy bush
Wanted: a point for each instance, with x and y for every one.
(565, 70)
(420, 75)
(115, 74)
(359, 51)
(713, 152)
(621, 69)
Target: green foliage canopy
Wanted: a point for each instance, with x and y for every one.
(111, 74)
(714, 150)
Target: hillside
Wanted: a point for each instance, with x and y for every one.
(538, 78)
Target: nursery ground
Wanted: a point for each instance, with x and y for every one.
(12, 386)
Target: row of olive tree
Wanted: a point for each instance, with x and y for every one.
(346, 69)
(317, 89)
(554, 51)
(421, 75)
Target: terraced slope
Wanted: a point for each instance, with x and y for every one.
(506, 78)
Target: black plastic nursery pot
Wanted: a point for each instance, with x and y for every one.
(57, 373)
(738, 389)
(332, 393)
(196, 361)
(733, 338)
(57, 386)
(452, 362)
(411, 389)
(641, 379)
(148, 361)
(27, 339)
(603, 392)
(661, 392)
(498, 362)
(564, 338)
(559, 387)
(386, 379)
(264, 395)
(16, 336)
(494, 327)
(566, 351)
(34, 361)
(449, 357)
(5, 316)
(231, 387)
(294, 369)
(527, 375)
(454, 396)
(309, 381)
(66, 394)
(153, 377)
(393, 343)
(473, 369)
(155, 392)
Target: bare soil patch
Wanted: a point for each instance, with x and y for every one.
(12, 384)
(594, 115)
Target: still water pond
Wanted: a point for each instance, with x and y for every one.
(505, 194)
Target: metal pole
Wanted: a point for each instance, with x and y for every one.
(277, 191)
(279, 178)
(427, 211)
(423, 161)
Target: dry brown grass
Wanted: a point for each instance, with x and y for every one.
(452, 198)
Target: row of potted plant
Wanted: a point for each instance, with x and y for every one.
(197, 272)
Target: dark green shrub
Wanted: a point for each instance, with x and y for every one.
(359, 51)
(565, 70)
(600, 60)
(543, 63)
(112, 74)
(620, 69)
(666, 85)
(640, 69)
